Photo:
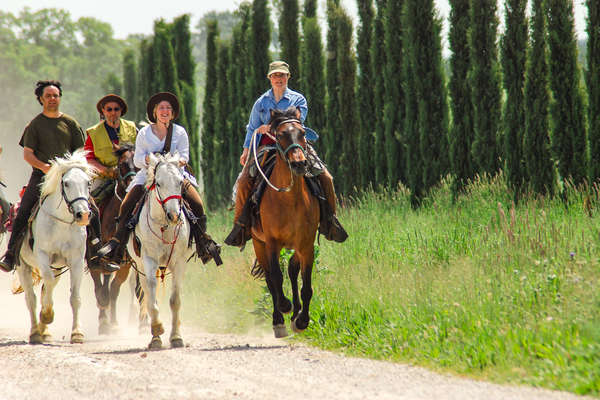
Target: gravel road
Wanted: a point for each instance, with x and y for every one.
(210, 366)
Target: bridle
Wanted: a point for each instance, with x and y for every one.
(153, 187)
(283, 152)
(68, 202)
(122, 180)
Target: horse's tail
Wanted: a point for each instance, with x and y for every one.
(257, 271)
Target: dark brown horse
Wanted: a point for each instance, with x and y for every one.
(289, 218)
(107, 289)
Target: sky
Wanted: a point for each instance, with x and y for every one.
(128, 17)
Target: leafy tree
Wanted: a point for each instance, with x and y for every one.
(461, 130)
(536, 143)
(485, 82)
(593, 85)
(365, 93)
(289, 37)
(567, 112)
(514, 55)
(378, 60)
(394, 108)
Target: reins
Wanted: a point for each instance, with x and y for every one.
(283, 154)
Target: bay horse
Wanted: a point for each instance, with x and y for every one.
(107, 286)
(59, 240)
(163, 233)
(289, 218)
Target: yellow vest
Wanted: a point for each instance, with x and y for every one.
(103, 147)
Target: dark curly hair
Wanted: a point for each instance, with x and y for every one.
(40, 85)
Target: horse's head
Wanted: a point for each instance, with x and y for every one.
(289, 135)
(73, 175)
(125, 166)
(166, 180)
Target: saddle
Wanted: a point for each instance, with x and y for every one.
(206, 247)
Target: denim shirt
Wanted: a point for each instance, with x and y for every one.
(261, 111)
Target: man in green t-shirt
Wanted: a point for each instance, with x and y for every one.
(49, 135)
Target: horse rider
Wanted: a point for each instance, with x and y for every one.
(162, 109)
(49, 135)
(4, 206)
(279, 97)
(101, 142)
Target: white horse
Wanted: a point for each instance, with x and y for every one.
(163, 232)
(59, 235)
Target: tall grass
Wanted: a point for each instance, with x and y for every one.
(478, 286)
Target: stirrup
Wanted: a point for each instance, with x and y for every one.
(207, 249)
(7, 263)
(333, 230)
(107, 249)
(237, 237)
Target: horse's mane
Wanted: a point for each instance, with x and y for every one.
(61, 165)
(278, 116)
(167, 158)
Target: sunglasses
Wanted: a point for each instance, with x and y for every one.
(110, 109)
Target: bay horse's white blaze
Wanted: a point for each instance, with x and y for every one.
(60, 240)
(163, 232)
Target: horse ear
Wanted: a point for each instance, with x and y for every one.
(298, 113)
(152, 160)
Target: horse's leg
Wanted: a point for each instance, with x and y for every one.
(115, 288)
(149, 286)
(76, 276)
(24, 271)
(175, 303)
(50, 281)
(306, 262)
(293, 271)
(101, 292)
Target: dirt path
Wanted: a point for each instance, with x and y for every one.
(208, 367)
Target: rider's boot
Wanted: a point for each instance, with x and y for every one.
(93, 242)
(330, 226)
(115, 247)
(7, 263)
(206, 248)
(240, 233)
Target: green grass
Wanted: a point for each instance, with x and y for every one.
(479, 287)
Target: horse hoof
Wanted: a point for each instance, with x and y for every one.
(35, 338)
(157, 329)
(104, 329)
(295, 327)
(47, 317)
(77, 338)
(176, 342)
(280, 331)
(155, 343)
(46, 338)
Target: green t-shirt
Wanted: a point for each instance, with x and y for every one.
(52, 137)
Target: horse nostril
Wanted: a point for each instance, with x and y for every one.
(78, 215)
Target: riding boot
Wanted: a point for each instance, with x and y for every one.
(240, 233)
(7, 263)
(330, 226)
(115, 247)
(206, 248)
(93, 242)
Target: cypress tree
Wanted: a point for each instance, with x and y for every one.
(186, 67)
(394, 107)
(289, 37)
(310, 8)
(331, 135)
(423, 54)
(461, 130)
(378, 60)
(259, 53)
(536, 143)
(485, 82)
(221, 140)
(593, 85)
(365, 93)
(130, 84)
(208, 111)
(147, 77)
(313, 79)
(349, 169)
(514, 55)
(568, 135)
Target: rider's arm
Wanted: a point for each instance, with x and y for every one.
(303, 106)
(254, 122)
(182, 144)
(35, 162)
(139, 156)
(90, 156)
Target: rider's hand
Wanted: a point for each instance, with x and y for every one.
(244, 156)
(263, 129)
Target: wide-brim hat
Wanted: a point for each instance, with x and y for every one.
(157, 98)
(278, 66)
(112, 97)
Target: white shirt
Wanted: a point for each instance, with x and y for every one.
(147, 142)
